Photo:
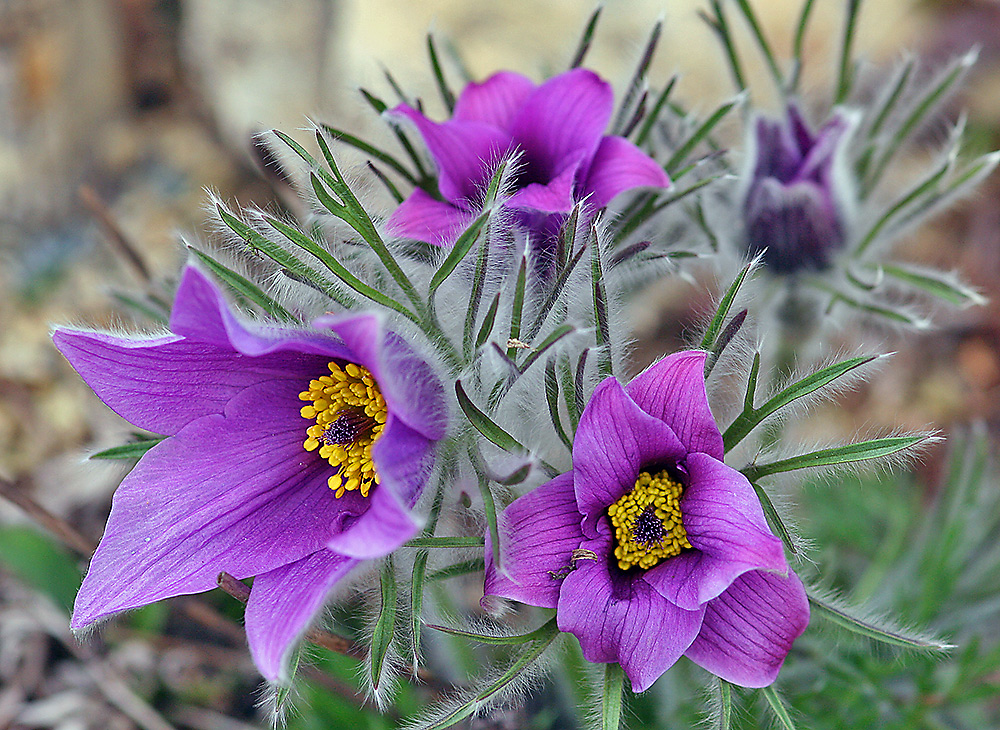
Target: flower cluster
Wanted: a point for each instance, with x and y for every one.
(297, 450)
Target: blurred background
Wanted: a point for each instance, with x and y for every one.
(117, 115)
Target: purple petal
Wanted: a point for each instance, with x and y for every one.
(495, 100)
(564, 117)
(555, 196)
(283, 602)
(749, 629)
(619, 166)
(614, 442)
(403, 459)
(425, 219)
(538, 533)
(621, 619)
(726, 527)
(466, 153)
(411, 391)
(163, 384)
(233, 492)
(673, 390)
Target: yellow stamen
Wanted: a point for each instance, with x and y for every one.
(349, 414)
(647, 522)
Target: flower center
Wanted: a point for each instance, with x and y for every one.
(349, 414)
(647, 522)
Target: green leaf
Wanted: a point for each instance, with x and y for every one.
(723, 340)
(722, 311)
(600, 302)
(654, 113)
(585, 40)
(861, 451)
(751, 417)
(445, 542)
(619, 126)
(611, 698)
(452, 571)
(762, 42)
(243, 287)
(486, 328)
(40, 563)
(484, 424)
(447, 96)
(539, 633)
(481, 697)
(478, 284)
(720, 26)
(385, 625)
(489, 509)
(552, 397)
(774, 519)
(462, 246)
(936, 284)
(845, 73)
(847, 618)
(699, 134)
(129, 451)
(557, 334)
(778, 708)
(554, 293)
(517, 308)
(798, 57)
(371, 150)
(724, 719)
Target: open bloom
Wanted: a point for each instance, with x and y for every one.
(557, 128)
(651, 547)
(795, 207)
(291, 456)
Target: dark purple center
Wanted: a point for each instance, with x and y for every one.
(648, 528)
(349, 427)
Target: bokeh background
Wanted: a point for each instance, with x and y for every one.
(117, 115)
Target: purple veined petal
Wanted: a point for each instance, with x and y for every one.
(818, 161)
(423, 218)
(614, 442)
(618, 166)
(621, 619)
(555, 196)
(562, 118)
(673, 390)
(163, 384)
(283, 602)
(403, 460)
(201, 314)
(538, 534)
(466, 153)
(495, 100)
(726, 527)
(411, 390)
(234, 492)
(748, 630)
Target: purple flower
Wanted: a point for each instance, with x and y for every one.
(558, 130)
(651, 547)
(291, 456)
(795, 208)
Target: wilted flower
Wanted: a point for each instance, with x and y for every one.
(557, 129)
(796, 206)
(651, 547)
(291, 456)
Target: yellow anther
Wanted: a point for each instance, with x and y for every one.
(350, 415)
(647, 521)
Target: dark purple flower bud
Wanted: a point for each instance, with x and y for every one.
(796, 205)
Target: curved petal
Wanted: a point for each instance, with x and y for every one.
(614, 442)
(425, 219)
(618, 166)
(538, 534)
(233, 492)
(465, 152)
(673, 390)
(403, 460)
(163, 384)
(495, 100)
(564, 117)
(620, 619)
(412, 392)
(726, 527)
(748, 630)
(283, 602)
(555, 196)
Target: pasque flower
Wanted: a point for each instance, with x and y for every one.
(651, 547)
(291, 455)
(796, 204)
(557, 129)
